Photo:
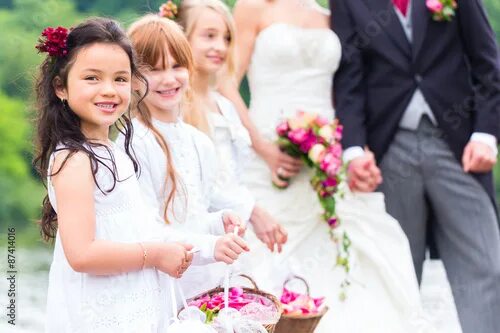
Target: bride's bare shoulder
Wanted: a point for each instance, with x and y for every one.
(249, 13)
(252, 5)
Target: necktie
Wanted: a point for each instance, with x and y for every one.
(402, 5)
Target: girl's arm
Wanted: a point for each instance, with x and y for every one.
(74, 189)
(245, 15)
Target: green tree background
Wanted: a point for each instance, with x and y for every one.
(21, 22)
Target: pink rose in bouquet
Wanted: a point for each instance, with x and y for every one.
(321, 121)
(308, 143)
(282, 128)
(298, 136)
(338, 132)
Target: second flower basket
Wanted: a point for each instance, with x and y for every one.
(299, 322)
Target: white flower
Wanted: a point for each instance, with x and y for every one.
(316, 152)
(326, 132)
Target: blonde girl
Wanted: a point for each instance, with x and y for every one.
(209, 27)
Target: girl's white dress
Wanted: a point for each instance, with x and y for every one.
(232, 144)
(196, 211)
(291, 69)
(128, 302)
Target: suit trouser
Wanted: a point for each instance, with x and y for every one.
(421, 175)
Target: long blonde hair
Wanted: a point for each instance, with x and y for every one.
(153, 38)
(189, 13)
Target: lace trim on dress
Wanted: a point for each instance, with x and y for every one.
(111, 309)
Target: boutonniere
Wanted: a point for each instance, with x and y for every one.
(442, 10)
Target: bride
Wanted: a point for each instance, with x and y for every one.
(290, 55)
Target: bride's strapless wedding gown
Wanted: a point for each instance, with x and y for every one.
(292, 69)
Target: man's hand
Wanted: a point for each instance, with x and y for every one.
(363, 173)
(478, 157)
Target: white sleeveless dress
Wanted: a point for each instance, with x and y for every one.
(128, 302)
(292, 69)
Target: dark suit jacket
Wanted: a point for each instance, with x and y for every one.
(455, 64)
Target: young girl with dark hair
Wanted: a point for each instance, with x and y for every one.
(108, 249)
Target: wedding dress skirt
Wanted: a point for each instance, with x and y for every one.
(292, 69)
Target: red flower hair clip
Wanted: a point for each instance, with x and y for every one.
(53, 41)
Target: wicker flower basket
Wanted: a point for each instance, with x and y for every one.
(293, 323)
(256, 291)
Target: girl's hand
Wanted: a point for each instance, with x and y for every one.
(282, 165)
(268, 230)
(229, 247)
(231, 221)
(170, 258)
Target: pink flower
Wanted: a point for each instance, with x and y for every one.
(336, 150)
(333, 222)
(298, 136)
(295, 303)
(318, 301)
(327, 159)
(338, 132)
(333, 168)
(321, 121)
(288, 296)
(435, 6)
(310, 141)
(282, 128)
(235, 292)
(331, 164)
(330, 182)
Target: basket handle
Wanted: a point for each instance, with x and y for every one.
(252, 281)
(295, 277)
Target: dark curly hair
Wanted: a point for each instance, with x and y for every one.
(57, 124)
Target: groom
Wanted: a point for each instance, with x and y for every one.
(423, 94)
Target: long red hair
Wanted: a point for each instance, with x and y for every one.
(153, 38)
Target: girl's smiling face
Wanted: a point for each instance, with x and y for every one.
(167, 84)
(98, 87)
(209, 41)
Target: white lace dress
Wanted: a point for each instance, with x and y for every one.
(128, 302)
(197, 209)
(291, 69)
(232, 144)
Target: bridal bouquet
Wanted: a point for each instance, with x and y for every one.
(316, 141)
